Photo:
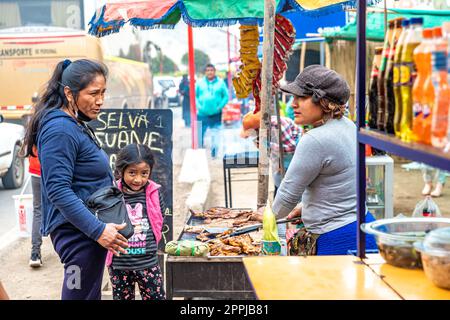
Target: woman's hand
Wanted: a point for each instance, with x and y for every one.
(296, 212)
(112, 240)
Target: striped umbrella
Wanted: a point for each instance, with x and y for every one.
(148, 14)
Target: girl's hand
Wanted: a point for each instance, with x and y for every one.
(112, 240)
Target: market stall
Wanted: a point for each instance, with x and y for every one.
(219, 272)
(223, 276)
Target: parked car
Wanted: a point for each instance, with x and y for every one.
(160, 96)
(169, 83)
(12, 166)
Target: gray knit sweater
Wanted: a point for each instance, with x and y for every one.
(322, 175)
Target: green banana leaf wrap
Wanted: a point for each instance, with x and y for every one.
(188, 248)
(270, 229)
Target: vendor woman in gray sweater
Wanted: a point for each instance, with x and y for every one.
(320, 184)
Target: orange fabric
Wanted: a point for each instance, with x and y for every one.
(35, 165)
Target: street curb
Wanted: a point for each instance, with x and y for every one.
(9, 238)
(195, 166)
(195, 170)
(201, 179)
(198, 196)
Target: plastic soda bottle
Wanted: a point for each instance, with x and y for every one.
(408, 75)
(446, 29)
(373, 89)
(439, 121)
(428, 98)
(422, 59)
(389, 78)
(381, 88)
(396, 77)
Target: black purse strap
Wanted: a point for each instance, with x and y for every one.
(90, 132)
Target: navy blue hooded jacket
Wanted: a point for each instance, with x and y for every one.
(73, 167)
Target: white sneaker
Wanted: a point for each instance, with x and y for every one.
(35, 261)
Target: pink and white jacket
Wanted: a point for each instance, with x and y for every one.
(153, 212)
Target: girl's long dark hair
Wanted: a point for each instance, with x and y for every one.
(133, 154)
(76, 75)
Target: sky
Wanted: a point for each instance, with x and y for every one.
(174, 43)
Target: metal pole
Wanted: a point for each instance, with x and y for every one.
(161, 69)
(360, 105)
(302, 56)
(194, 132)
(229, 65)
(322, 52)
(266, 100)
(148, 57)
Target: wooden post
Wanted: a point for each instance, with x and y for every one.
(266, 100)
(303, 56)
(280, 135)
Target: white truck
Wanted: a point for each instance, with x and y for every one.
(12, 166)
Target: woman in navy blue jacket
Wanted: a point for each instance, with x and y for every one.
(73, 166)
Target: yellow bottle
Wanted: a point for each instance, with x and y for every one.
(407, 76)
(397, 64)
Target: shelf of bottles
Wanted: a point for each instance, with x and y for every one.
(410, 150)
(409, 94)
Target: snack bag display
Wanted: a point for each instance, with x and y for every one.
(187, 248)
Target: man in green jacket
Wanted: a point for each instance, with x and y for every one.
(211, 95)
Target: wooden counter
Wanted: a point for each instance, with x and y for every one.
(410, 284)
(315, 277)
(336, 278)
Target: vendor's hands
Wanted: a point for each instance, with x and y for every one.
(112, 240)
(296, 212)
(261, 210)
(257, 216)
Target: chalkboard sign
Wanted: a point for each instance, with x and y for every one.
(116, 128)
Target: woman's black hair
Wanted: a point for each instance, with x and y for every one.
(133, 154)
(76, 75)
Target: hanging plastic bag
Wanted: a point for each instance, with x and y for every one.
(270, 229)
(427, 208)
(271, 244)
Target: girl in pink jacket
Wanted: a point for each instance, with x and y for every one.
(145, 206)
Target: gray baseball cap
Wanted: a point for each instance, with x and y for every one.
(319, 82)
